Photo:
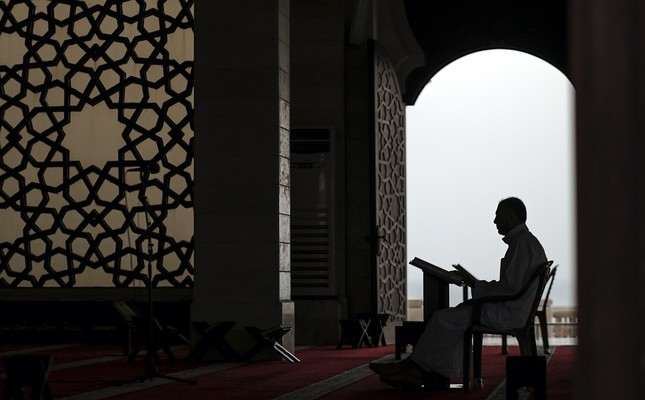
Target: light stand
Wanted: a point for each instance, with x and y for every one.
(151, 370)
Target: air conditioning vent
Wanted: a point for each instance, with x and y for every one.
(311, 213)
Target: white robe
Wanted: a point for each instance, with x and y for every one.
(440, 347)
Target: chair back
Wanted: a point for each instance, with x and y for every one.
(541, 274)
(549, 280)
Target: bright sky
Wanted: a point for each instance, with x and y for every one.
(491, 125)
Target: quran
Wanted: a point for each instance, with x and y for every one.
(455, 277)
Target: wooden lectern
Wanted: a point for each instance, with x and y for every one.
(436, 295)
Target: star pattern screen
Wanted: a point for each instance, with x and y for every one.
(91, 92)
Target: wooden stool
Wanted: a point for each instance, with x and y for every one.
(355, 333)
(377, 323)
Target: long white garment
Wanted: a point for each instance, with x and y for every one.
(440, 347)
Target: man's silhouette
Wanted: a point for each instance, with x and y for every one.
(438, 353)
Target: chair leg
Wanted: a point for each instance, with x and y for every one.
(532, 342)
(467, 352)
(478, 339)
(504, 344)
(527, 344)
(545, 332)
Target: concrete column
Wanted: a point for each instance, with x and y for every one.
(242, 265)
(608, 60)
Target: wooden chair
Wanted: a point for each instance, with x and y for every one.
(525, 335)
(541, 316)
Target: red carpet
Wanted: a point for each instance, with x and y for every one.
(493, 369)
(268, 380)
(559, 384)
(85, 369)
(100, 366)
(560, 373)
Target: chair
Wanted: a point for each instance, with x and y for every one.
(525, 335)
(541, 315)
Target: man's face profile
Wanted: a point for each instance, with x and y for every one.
(504, 220)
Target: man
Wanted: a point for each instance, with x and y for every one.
(438, 353)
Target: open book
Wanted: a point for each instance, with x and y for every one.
(465, 273)
(454, 277)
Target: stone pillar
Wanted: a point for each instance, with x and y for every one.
(242, 267)
(608, 60)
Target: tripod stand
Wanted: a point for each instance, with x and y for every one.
(151, 370)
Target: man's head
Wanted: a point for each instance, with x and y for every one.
(510, 213)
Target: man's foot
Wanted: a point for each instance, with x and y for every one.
(432, 380)
(411, 378)
(386, 369)
(415, 378)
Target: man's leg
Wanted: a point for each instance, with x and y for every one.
(440, 347)
(437, 353)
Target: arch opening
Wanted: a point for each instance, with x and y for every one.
(492, 124)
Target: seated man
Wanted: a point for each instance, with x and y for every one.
(438, 353)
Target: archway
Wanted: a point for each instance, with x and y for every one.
(448, 30)
(492, 124)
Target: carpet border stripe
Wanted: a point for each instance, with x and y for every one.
(333, 383)
(133, 387)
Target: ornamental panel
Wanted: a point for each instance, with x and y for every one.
(90, 90)
(390, 190)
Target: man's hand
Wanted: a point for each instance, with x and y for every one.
(467, 281)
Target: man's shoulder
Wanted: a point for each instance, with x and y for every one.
(520, 232)
(526, 236)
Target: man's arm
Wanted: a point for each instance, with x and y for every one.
(526, 254)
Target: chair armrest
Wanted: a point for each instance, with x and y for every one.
(478, 303)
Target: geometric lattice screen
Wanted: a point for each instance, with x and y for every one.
(89, 90)
(389, 146)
